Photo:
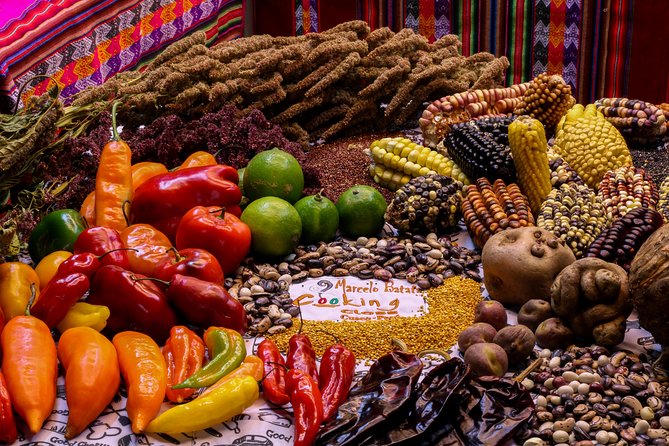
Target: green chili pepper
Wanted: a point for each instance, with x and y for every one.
(228, 352)
(57, 231)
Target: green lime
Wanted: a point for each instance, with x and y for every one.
(275, 226)
(320, 218)
(274, 173)
(361, 210)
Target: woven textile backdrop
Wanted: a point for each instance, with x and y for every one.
(600, 47)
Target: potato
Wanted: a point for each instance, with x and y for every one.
(521, 264)
(517, 341)
(553, 334)
(474, 334)
(491, 312)
(533, 312)
(486, 359)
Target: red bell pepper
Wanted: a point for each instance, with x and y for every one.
(205, 304)
(8, 431)
(306, 399)
(105, 243)
(335, 377)
(274, 383)
(301, 355)
(163, 199)
(219, 232)
(138, 305)
(58, 297)
(190, 262)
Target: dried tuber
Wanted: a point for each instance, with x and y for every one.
(553, 334)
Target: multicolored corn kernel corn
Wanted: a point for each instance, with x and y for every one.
(663, 201)
(397, 160)
(590, 144)
(621, 241)
(561, 172)
(636, 120)
(547, 99)
(626, 188)
(527, 141)
(574, 214)
(490, 208)
(438, 117)
(429, 203)
(481, 148)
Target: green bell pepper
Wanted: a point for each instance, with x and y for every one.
(57, 231)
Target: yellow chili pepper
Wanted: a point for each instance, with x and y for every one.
(220, 405)
(15, 281)
(145, 170)
(47, 267)
(87, 210)
(83, 314)
(252, 366)
(198, 159)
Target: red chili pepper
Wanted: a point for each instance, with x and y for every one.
(335, 377)
(171, 195)
(274, 383)
(307, 405)
(184, 354)
(105, 243)
(58, 297)
(8, 432)
(301, 355)
(205, 304)
(137, 305)
(219, 232)
(190, 262)
(85, 263)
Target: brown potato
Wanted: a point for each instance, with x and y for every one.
(553, 333)
(517, 341)
(474, 334)
(486, 359)
(491, 312)
(533, 312)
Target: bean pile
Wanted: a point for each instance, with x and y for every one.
(587, 396)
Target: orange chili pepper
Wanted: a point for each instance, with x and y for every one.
(30, 367)
(184, 355)
(198, 159)
(92, 376)
(113, 182)
(150, 247)
(145, 170)
(16, 279)
(252, 366)
(87, 210)
(145, 374)
(8, 432)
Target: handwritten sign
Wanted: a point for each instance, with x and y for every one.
(353, 299)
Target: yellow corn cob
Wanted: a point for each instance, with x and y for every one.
(527, 141)
(397, 160)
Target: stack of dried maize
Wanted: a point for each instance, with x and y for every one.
(481, 148)
(626, 188)
(437, 118)
(590, 144)
(547, 99)
(490, 208)
(397, 160)
(638, 121)
(663, 201)
(527, 141)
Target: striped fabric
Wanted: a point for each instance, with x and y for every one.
(83, 42)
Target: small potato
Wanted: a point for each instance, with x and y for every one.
(553, 334)
(491, 312)
(517, 341)
(475, 333)
(533, 312)
(486, 359)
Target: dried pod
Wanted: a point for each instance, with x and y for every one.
(547, 99)
(626, 188)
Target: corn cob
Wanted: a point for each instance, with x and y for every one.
(527, 141)
(547, 99)
(663, 201)
(437, 118)
(480, 147)
(620, 242)
(561, 172)
(429, 203)
(590, 144)
(488, 209)
(638, 121)
(626, 188)
(397, 160)
(574, 214)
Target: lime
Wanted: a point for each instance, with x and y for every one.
(320, 218)
(275, 226)
(274, 173)
(361, 210)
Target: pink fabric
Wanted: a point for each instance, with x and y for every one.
(12, 9)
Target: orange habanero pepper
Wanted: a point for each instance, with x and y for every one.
(92, 376)
(87, 210)
(198, 159)
(16, 279)
(145, 170)
(30, 367)
(149, 247)
(184, 355)
(113, 182)
(252, 366)
(145, 374)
